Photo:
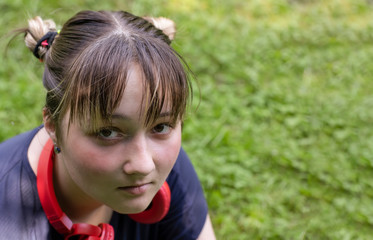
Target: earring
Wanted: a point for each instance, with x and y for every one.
(57, 150)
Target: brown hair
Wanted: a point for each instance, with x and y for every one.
(87, 65)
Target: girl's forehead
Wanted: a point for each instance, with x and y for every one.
(134, 97)
(136, 101)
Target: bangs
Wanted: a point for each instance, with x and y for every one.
(99, 74)
(166, 82)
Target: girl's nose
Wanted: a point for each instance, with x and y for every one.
(138, 157)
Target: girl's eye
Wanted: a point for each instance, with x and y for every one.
(107, 133)
(162, 128)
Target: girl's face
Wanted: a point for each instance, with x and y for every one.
(124, 164)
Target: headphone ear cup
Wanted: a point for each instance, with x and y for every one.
(159, 207)
(84, 231)
(87, 231)
(107, 231)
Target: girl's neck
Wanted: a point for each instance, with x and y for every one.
(76, 205)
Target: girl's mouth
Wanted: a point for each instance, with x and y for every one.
(137, 189)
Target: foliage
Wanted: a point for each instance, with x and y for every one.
(281, 134)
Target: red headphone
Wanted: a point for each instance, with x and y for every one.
(62, 223)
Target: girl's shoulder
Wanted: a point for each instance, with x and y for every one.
(14, 150)
(19, 204)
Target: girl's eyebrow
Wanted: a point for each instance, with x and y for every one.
(126, 118)
(121, 117)
(165, 114)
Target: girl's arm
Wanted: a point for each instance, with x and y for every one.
(207, 232)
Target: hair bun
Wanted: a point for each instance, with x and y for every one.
(167, 26)
(37, 28)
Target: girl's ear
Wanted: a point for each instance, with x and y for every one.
(49, 124)
(166, 25)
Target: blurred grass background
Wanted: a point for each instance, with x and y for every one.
(282, 138)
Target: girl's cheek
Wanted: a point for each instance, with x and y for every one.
(88, 155)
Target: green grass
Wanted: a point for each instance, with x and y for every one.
(282, 138)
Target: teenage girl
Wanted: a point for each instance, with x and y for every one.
(107, 163)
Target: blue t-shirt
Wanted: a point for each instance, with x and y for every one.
(22, 217)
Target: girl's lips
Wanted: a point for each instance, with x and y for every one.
(136, 189)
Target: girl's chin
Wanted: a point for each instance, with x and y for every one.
(132, 208)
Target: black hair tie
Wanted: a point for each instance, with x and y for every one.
(49, 38)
